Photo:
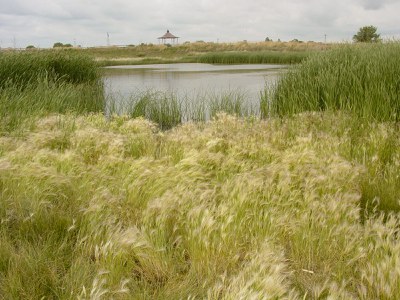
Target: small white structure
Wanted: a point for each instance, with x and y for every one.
(168, 37)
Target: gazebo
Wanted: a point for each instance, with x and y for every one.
(168, 37)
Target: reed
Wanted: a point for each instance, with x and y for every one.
(34, 84)
(162, 108)
(231, 102)
(168, 110)
(21, 106)
(362, 79)
(270, 57)
(21, 68)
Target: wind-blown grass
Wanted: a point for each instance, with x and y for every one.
(230, 209)
(363, 79)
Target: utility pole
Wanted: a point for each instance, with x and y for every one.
(14, 43)
(108, 39)
(325, 38)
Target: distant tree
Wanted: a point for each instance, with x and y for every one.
(367, 34)
(30, 47)
(267, 39)
(61, 45)
(58, 45)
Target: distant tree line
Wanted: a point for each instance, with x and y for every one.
(61, 45)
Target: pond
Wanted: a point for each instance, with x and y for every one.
(192, 85)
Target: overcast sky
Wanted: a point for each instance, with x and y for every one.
(86, 22)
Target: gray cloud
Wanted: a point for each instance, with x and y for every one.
(43, 22)
(376, 4)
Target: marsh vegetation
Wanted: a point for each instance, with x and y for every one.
(232, 53)
(34, 84)
(302, 203)
(196, 91)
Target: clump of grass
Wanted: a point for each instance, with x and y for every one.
(234, 208)
(363, 79)
(231, 102)
(161, 108)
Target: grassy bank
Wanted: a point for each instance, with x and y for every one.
(230, 209)
(238, 53)
(38, 83)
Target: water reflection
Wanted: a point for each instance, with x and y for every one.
(190, 84)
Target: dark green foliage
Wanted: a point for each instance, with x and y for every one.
(367, 34)
(61, 45)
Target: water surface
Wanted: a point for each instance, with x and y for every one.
(189, 82)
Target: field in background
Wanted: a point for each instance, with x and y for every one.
(301, 203)
(260, 52)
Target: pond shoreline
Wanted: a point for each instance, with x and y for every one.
(194, 88)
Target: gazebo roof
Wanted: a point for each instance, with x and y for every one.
(168, 35)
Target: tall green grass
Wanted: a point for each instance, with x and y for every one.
(362, 79)
(33, 84)
(161, 108)
(262, 57)
(22, 68)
